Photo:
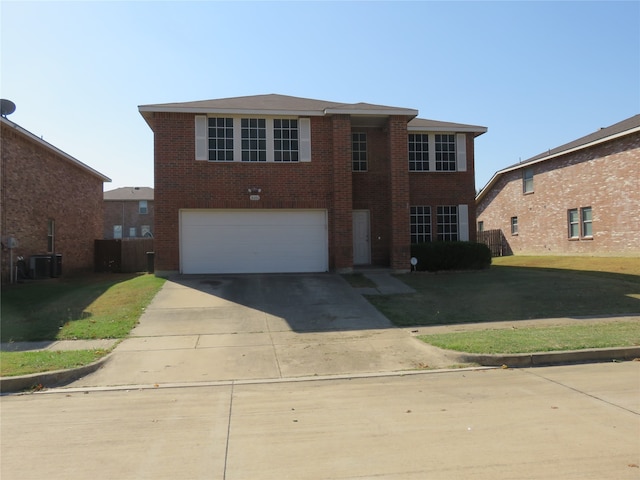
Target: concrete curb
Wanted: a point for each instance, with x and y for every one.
(590, 355)
(50, 379)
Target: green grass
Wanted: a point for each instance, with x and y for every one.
(23, 363)
(511, 293)
(93, 307)
(101, 306)
(543, 339)
(522, 288)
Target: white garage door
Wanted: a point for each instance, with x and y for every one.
(253, 241)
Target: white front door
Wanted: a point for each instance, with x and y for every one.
(361, 238)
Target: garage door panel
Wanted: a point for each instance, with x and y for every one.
(255, 241)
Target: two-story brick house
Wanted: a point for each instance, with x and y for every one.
(128, 213)
(581, 198)
(51, 206)
(273, 183)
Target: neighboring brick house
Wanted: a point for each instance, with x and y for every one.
(582, 198)
(273, 183)
(51, 206)
(128, 213)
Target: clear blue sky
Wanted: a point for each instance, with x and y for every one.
(537, 74)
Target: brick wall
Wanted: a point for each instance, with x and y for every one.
(327, 182)
(605, 177)
(38, 185)
(126, 213)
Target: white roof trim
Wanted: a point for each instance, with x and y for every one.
(448, 128)
(550, 157)
(371, 112)
(56, 150)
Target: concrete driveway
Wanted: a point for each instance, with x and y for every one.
(243, 327)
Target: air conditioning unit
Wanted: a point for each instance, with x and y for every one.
(40, 266)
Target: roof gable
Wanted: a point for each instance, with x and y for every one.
(129, 193)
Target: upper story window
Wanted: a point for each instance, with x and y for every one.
(236, 139)
(445, 153)
(142, 207)
(359, 152)
(418, 152)
(527, 180)
(437, 152)
(254, 139)
(285, 140)
(220, 134)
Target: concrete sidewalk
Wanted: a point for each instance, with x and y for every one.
(205, 328)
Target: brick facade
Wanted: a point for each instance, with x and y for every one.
(604, 177)
(40, 183)
(326, 182)
(122, 207)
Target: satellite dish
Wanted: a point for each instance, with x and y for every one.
(7, 107)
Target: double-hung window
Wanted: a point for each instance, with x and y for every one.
(420, 224)
(574, 223)
(514, 225)
(418, 152)
(447, 223)
(254, 140)
(437, 152)
(143, 207)
(527, 180)
(51, 233)
(445, 152)
(359, 152)
(587, 228)
(220, 133)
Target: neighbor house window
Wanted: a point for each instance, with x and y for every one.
(445, 153)
(514, 225)
(220, 139)
(447, 223)
(142, 207)
(359, 152)
(254, 139)
(285, 140)
(481, 226)
(527, 180)
(132, 232)
(51, 230)
(145, 231)
(574, 223)
(587, 230)
(420, 224)
(418, 152)
(117, 231)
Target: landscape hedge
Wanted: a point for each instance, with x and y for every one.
(437, 256)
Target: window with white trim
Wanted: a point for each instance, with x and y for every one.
(254, 139)
(145, 231)
(445, 153)
(117, 231)
(420, 222)
(220, 139)
(143, 207)
(527, 180)
(285, 140)
(574, 223)
(514, 225)
(447, 223)
(132, 232)
(235, 139)
(587, 222)
(418, 152)
(437, 152)
(359, 152)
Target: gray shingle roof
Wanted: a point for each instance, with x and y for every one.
(129, 193)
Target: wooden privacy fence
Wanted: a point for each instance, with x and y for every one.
(122, 256)
(495, 240)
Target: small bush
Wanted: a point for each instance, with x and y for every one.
(437, 256)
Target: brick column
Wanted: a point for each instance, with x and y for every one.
(341, 218)
(399, 176)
